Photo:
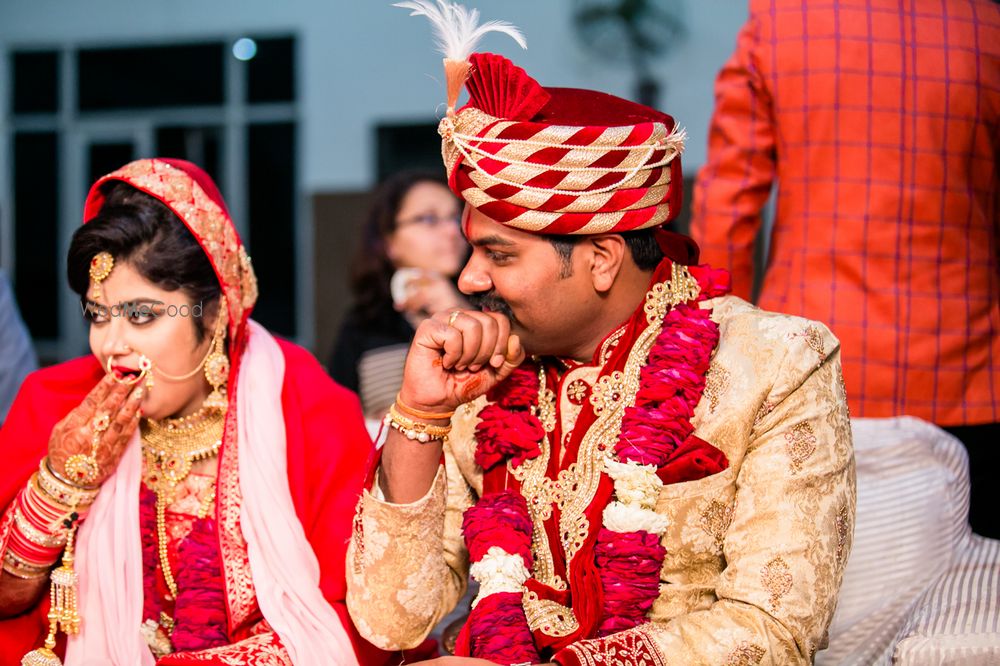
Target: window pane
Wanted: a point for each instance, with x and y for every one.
(414, 146)
(159, 76)
(271, 73)
(103, 158)
(200, 144)
(271, 195)
(36, 224)
(36, 82)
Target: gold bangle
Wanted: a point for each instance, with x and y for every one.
(67, 494)
(415, 430)
(23, 574)
(59, 477)
(35, 535)
(420, 414)
(47, 470)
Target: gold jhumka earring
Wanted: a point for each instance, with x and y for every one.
(100, 268)
(217, 362)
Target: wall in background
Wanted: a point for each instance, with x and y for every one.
(364, 62)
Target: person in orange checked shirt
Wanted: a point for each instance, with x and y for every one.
(879, 122)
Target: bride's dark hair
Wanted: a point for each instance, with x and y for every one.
(139, 229)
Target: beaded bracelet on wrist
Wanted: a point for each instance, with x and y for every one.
(415, 430)
(415, 413)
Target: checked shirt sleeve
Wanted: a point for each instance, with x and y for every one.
(735, 183)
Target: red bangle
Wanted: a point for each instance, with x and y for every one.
(20, 546)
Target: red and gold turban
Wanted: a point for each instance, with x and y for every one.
(559, 160)
(551, 160)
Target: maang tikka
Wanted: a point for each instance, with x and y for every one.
(100, 268)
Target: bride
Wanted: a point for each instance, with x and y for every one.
(188, 487)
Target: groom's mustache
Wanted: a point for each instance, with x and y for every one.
(490, 301)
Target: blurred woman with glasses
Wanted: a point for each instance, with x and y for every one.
(412, 249)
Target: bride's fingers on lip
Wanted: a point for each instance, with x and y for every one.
(98, 393)
(114, 399)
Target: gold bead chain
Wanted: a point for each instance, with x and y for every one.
(170, 448)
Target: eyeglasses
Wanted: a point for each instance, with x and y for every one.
(431, 220)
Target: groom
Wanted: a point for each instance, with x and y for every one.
(636, 467)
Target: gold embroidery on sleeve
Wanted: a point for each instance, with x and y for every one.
(766, 408)
(715, 520)
(746, 654)
(814, 338)
(843, 528)
(800, 442)
(716, 383)
(358, 537)
(777, 580)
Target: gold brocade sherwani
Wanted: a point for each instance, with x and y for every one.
(755, 554)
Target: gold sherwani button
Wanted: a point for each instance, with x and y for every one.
(577, 391)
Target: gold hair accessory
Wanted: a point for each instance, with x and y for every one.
(84, 468)
(100, 268)
(217, 363)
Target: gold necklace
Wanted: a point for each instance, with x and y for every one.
(169, 450)
(172, 447)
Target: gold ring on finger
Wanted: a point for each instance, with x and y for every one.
(452, 317)
(101, 422)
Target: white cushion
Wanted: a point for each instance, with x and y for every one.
(958, 620)
(911, 524)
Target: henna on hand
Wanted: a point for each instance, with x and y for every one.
(74, 435)
(468, 389)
